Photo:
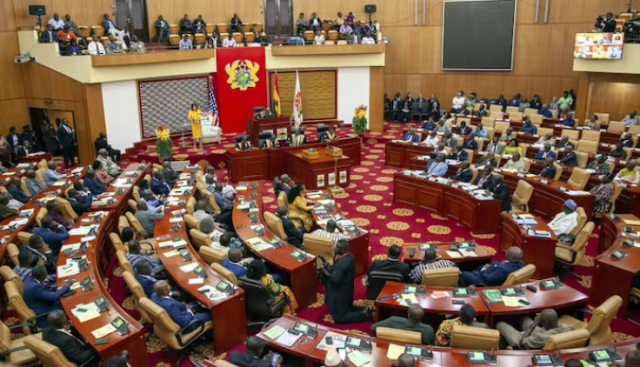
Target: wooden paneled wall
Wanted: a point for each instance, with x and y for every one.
(616, 94)
(319, 100)
(13, 108)
(87, 13)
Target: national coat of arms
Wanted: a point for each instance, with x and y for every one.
(242, 74)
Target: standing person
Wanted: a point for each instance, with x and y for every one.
(49, 137)
(195, 115)
(162, 30)
(65, 137)
(235, 24)
(29, 135)
(340, 288)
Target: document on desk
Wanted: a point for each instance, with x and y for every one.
(196, 281)
(189, 267)
(631, 222)
(81, 231)
(337, 339)
(454, 254)
(89, 312)
(68, 270)
(394, 351)
(103, 331)
(359, 359)
(274, 332)
(170, 254)
(409, 299)
(513, 301)
(578, 193)
(468, 253)
(78, 170)
(288, 339)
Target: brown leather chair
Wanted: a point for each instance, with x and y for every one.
(226, 273)
(192, 222)
(66, 210)
(41, 174)
(616, 127)
(211, 202)
(572, 134)
(141, 234)
(578, 179)
(211, 255)
(191, 205)
(282, 199)
(25, 315)
(49, 355)
(14, 351)
(124, 263)
(136, 193)
(599, 324)
(567, 256)
(23, 186)
(582, 158)
(521, 197)
(399, 336)
(582, 220)
(317, 246)
(521, 275)
(474, 338)
(617, 190)
(122, 223)
(41, 214)
(199, 239)
(13, 252)
(569, 340)
(133, 205)
(43, 164)
(515, 116)
(591, 135)
(157, 168)
(116, 241)
(9, 275)
(443, 277)
(275, 225)
(559, 170)
(167, 330)
(24, 237)
(138, 293)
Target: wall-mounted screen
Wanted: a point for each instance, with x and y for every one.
(598, 46)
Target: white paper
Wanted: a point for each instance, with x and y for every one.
(287, 339)
(196, 281)
(189, 267)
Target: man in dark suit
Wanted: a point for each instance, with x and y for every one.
(340, 288)
(412, 323)
(23, 150)
(548, 171)
(297, 138)
(147, 281)
(609, 24)
(49, 36)
(39, 298)
(392, 264)
(458, 154)
(73, 348)
(485, 178)
(14, 139)
(494, 274)
(501, 192)
(15, 191)
(90, 182)
(158, 186)
(101, 143)
(53, 234)
(565, 142)
(294, 235)
(170, 176)
(244, 144)
(464, 172)
(545, 153)
(470, 143)
(42, 254)
(570, 157)
(464, 129)
(80, 201)
(65, 137)
(627, 140)
(180, 314)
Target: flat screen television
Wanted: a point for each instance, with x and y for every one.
(598, 46)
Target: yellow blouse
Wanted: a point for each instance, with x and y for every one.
(512, 150)
(195, 116)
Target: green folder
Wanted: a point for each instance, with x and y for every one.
(493, 295)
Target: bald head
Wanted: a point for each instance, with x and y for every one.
(514, 254)
(406, 360)
(162, 288)
(549, 319)
(415, 313)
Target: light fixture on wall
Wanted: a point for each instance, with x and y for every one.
(48, 102)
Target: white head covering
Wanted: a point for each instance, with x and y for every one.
(332, 358)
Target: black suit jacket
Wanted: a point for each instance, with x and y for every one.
(102, 144)
(170, 176)
(65, 137)
(548, 172)
(10, 141)
(75, 350)
(502, 193)
(464, 176)
(487, 184)
(570, 160)
(391, 267)
(294, 235)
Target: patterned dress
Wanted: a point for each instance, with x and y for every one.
(279, 291)
(300, 213)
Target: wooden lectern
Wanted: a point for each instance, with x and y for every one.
(255, 127)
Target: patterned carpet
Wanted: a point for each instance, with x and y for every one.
(369, 203)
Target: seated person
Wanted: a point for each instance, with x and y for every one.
(429, 125)
(297, 138)
(619, 152)
(545, 112)
(39, 298)
(225, 204)
(411, 136)
(570, 158)
(565, 142)
(35, 187)
(547, 139)
(627, 140)
(52, 233)
(464, 172)
(332, 232)
(331, 134)
(528, 128)
(464, 130)
(513, 148)
(392, 264)
(429, 262)
(170, 176)
(24, 268)
(630, 173)
(180, 314)
(42, 254)
(153, 204)
(158, 186)
(233, 263)
(438, 167)
(147, 282)
(548, 170)
(432, 140)
(495, 147)
(449, 140)
(488, 159)
(53, 212)
(345, 30)
(255, 356)
(224, 245)
(565, 221)
(200, 212)
(113, 169)
(458, 154)
(485, 178)
(80, 201)
(244, 144)
(74, 349)
(440, 149)
(135, 255)
(569, 121)
(102, 176)
(481, 132)
(508, 135)
(5, 210)
(147, 219)
(515, 163)
(467, 317)
(599, 165)
(90, 182)
(470, 143)
(294, 235)
(443, 128)
(536, 332)
(545, 153)
(257, 271)
(494, 274)
(52, 175)
(412, 323)
(14, 189)
(13, 203)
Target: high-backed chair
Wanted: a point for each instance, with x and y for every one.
(495, 107)
(136, 193)
(169, 331)
(66, 210)
(25, 314)
(10, 276)
(488, 122)
(569, 340)
(319, 246)
(616, 127)
(211, 202)
(520, 276)
(13, 351)
(141, 234)
(24, 237)
(13, 252)
(199, 239)
(617, 190)
(122, 224)
(470, 154)
(23, 186)
(116, 241)
(43, 164)
(48, 354)
(192, 222)
(582, 220)
(42, 212)
(572, 134)
(275, 225)
(591, 135)
(567, 256)
(191, 205)
(261, 303)
(225, 273)
(588, 146)
(399, 336)
(124, 263)
(628, 150)
(501, 126)
(599, 324)
(515, 116)
(582, 158)
(578, 179)
(602, 117)
(211, 255)
(138, 293)
(527, 163)
(531, 112)
(559, 170)
(443, 277)
(41, 173)
(543, 131)
(282, 199)
(480, 143)
(474, 338)
(634, 130)
(377, 280)
(520, 198)
(133, 206)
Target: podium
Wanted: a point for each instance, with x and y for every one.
(255, 127)
(318, 173)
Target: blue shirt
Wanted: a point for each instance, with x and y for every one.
(94, 186)
(428, 126)
(222, 202)
(529, 129)
(51, 238)
(481, 133)
(411, 138)
(546, 114)
(438, 169)
(569, 122)
(18, 194)
(238, 270)
(541, 155)
(52, 177)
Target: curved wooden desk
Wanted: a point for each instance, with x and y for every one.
(614, 276)
(302, 276)
(481, 216)
(464, 263)
(229, 314)
(538, 251)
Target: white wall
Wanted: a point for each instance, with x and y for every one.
(122, 113)
(353, 91)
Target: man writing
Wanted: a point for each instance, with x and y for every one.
(494, 274)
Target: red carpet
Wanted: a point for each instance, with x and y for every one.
(369, 203)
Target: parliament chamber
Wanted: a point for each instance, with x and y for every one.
(286, 184)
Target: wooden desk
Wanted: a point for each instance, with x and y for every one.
(481, 216)
(255, 127)
(134, 172)
(229, 313)
(435, 309)
(540, 252)
(464, 263)
(614, 276)
(302, 276)
(358, 245)
(248, 165)
(308, 171)
(398, 154)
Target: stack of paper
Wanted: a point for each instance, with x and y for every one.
(578, 193)
(181, 243)
(468, 253)
(359, 359)
(81, 231)
(274, 332)
(337, 339)
(513, 301)
(454, 254)
(171, 253)
(70, 247)
(241, 188)
(103, 331)
(77, 170)
(189, 267)
(68, 270)
(86, 312)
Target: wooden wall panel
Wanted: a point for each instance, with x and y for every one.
(7, 14)
(614, 93)
(376, 99)
(319, 91)
(82, 12)
(43, 83)
(14, 112)
(10, 72)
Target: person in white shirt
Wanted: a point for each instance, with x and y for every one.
(96, 47)
(185, 43)
(567, 220)
(318, 40)
(515, 163)
(368, 40)
(458, 102)
(229, 42)
(440, 149)
(432, 140)
(56, 23)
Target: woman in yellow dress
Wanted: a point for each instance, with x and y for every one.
(257, 271)
(300, 208)
(195, 115)
(513, 148)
